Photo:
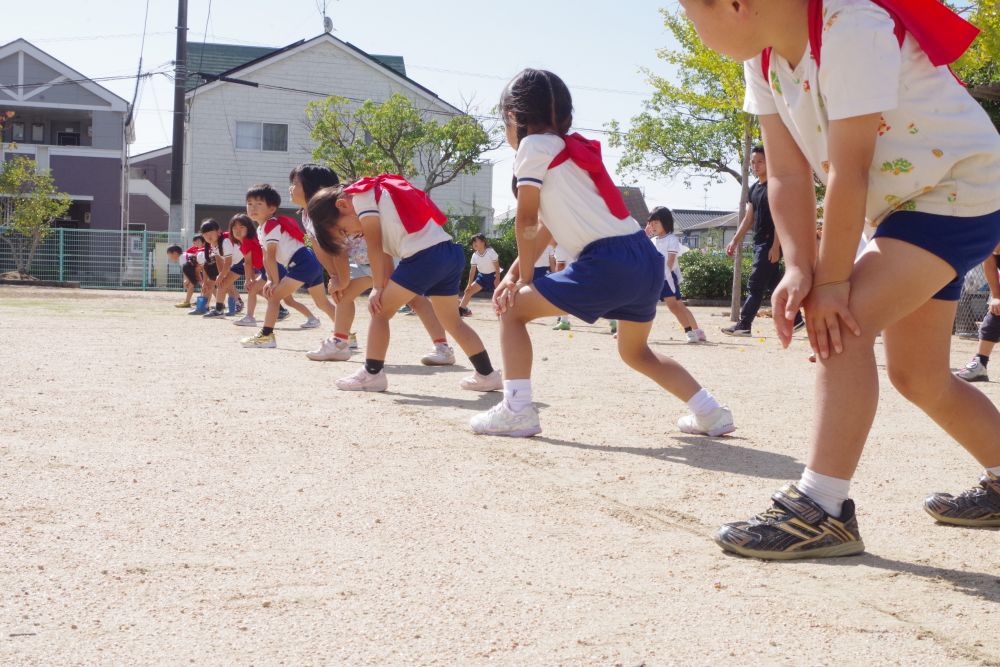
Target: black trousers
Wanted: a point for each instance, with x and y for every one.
(764, 277)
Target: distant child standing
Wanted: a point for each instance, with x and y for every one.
(989, 330)
(400, 221)
(660, 228)
(484, 272)
(284, 243)
(562, 182)
(860, 96)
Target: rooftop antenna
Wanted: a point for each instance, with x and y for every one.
(327, 21)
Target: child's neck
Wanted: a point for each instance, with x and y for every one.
(786, 28)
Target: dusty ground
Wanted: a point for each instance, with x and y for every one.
(167, 497)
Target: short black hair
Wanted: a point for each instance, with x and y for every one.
(663, 216)
(209, 225)
(266, 192)
(175, 250)
(479, 237)
(759, 148)
(322, 210)
(313, 178)
(198, 237)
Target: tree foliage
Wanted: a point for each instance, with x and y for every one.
(358, 140)
(30, 203)
(693, 126)
(980, 66)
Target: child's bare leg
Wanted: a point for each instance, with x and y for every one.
(847, 383)
(292, 303)
(634, 349)
(421, 305)
(393, 297)
(318, 294)
(918, 359)
(252, 297)
(681, 312)
(470, 292)
(346, 309)
(281, 291)
(515, 343)
(447, 317)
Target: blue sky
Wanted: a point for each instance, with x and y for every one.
(462, 50)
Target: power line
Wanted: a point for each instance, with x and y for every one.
(497, 77)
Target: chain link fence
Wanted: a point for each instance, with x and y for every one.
(973, 304)
(103, 259)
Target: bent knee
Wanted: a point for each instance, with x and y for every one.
(918, 385)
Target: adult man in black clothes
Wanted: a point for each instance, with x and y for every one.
(765, 273)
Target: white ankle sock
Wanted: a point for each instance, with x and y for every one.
(827, 492)
(517, 393)
(703, 403)
(995, 470)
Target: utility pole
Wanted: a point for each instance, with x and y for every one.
(177, 150)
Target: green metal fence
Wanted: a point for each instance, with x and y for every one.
(102, 259)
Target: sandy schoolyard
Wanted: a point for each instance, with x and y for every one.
(167, 497)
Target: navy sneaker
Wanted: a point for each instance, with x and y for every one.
(979, 507)
(795, 527)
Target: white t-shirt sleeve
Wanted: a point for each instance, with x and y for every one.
(273, 236)
(365, 204)
(534, 155)
(200, 257)
(491, 256)
(672, 244)
(227, 248)
(758, 99)
(860, 62)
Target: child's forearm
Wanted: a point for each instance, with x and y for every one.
(846, 199)
(793, 206)
(271, 267)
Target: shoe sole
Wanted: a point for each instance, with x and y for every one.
(737, 335)
(978, 378)
(525, 433)
(369, 389)
(426, 362)
(312, 358)
(260, 347)
(713, 433)
(846, 549)
(966, 523)
(311, 326)
(246, 324)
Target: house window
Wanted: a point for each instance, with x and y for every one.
(17, 131)
(38, 132)
(262, 136)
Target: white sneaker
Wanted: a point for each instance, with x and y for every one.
(702, 338)
(974, 371)
(443, 355)
(352, 341)
(692, 336)
(720, 422)
(501, 420)
(330, 349)
(477, 382)
(310, 323)
(362, 380)
(247, 321)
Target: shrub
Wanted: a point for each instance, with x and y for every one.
(710, 275)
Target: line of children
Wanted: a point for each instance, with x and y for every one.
(660, 229)
(350, 275)
(859, 94)
(565, 193)
(403, 223)
(284, 244)
(484, 272)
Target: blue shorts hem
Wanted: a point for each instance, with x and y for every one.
(305, 268)
(434, 271)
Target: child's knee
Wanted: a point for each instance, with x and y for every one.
(635, 356)
(918, 385)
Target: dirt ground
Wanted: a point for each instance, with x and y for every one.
(167, 497)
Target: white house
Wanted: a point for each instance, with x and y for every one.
(238, 134)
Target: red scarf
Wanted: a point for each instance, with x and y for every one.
(415, 208)
(586, 154)
(250, 247)
(287, 225)
(942, 34)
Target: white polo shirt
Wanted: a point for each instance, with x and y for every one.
(937, 150)
(230, 249)
(287, 245)
(571, 206)
(396, 241)
(485, 262)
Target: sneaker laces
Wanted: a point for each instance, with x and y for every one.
(774, 514)
(972, 365)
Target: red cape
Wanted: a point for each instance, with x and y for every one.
(586, 154)
(288, 226)
(415, 208)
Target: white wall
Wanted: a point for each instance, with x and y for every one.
(219, 174)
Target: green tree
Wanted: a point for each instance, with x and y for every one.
(694, 128)
(30, 203)
(980, 66)
(358, 140)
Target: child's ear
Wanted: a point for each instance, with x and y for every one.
(345, 206)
